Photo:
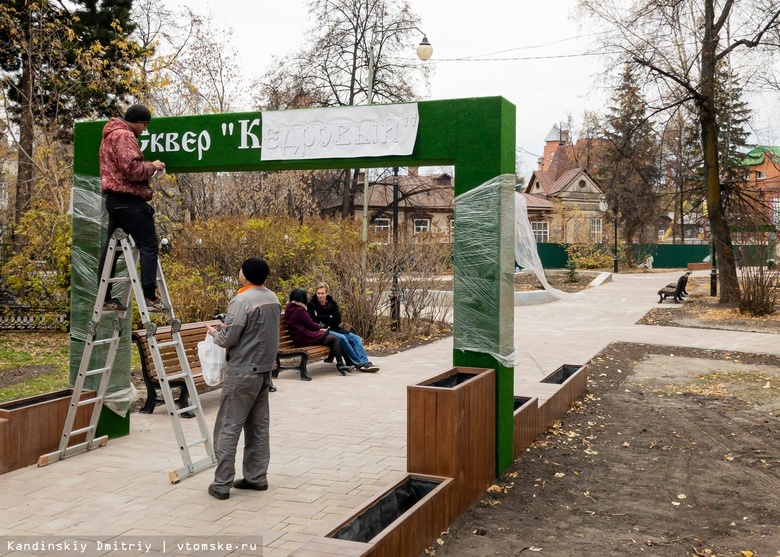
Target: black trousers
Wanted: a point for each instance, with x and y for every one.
(136, 217)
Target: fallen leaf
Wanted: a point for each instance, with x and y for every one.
(728, 457)
(747, 553)
(681, 496)
(559, 474)
(767, 386)
(676, 503)
(439, 541)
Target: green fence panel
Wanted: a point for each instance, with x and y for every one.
(553, 256)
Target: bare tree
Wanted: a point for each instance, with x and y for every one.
(680, 44)
(333, 70)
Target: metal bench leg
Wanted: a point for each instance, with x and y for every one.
(151, 401)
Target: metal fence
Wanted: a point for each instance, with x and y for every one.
(21, 318)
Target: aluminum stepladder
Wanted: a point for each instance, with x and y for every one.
(132, 286)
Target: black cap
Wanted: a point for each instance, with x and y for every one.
(255, 270)
(138, 114)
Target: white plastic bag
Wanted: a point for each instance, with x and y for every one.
(212, 361)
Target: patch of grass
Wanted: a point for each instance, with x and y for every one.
(44, 383)
(21, 350)
(26, 349)
(752, 386)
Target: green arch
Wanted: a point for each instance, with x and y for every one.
(476, 136)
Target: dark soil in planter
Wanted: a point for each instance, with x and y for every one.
(451, 380)
(560, 375)
(521, 401)
(373, 520)
(12, 405)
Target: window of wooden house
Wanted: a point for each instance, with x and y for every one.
(541, 230)
(596, 231)
(760, 175)
(422, 226)
(382, 228)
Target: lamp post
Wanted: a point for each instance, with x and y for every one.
(615, 260)
(424, 52)
(395, 300)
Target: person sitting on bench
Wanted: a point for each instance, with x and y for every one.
(305, 332)
(324, 310)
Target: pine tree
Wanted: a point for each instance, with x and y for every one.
(59, 65)
(630, 166)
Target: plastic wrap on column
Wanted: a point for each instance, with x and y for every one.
(478, 231)
(89, 228)
(526, 254)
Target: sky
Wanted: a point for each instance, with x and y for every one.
(530, 53)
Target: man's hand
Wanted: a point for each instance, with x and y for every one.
(212, 330)
(158, 165)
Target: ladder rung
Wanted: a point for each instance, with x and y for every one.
(89, 401)
(175, 377)
(97, 371)
(167, 344)
(114, 280)
(198, 442)
(181, 411)
(82, 430)
(104, 341)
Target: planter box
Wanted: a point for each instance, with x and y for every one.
(558, 390)
(451, 430)
(527, 424)
(400, 522)
(32, 426)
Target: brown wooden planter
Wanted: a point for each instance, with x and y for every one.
(32, 426)
(400, 522)
(451, 431)
(558, 390)
(527, 423)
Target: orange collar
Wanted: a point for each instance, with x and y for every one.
(247, 287)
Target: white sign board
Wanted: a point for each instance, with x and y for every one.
(343, 132)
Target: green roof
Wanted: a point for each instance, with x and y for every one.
(756, 155)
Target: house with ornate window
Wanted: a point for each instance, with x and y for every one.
(762, 166)
(425, 204)
(565, 201)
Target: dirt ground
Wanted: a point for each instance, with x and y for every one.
(673, 452)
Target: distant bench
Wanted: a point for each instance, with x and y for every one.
(294, 357)
(703, 266)
(677, 290)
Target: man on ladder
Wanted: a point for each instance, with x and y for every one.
(124, 178)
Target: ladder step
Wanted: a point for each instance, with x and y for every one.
(97, 371)
(89, 401)
(167, 343)
(103, 341)
(181, 411)
(115, 280)
(198, 442)
(82, 430)
(176, 376)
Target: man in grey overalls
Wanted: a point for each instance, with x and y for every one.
(250, 332)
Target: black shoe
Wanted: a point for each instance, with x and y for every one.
(368, 367)
(243, 484)
(112, 304)
(328, 360)
(343, 368)
(221, 495)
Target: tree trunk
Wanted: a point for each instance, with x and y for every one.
(729, 284)
(25, 171)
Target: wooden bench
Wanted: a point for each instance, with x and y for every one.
(677, 290)
(191, 334)
(293, 357)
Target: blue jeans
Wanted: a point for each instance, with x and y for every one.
(352, 347)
